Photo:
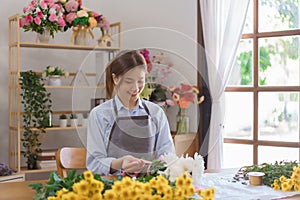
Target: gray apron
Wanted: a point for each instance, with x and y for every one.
(132, 135)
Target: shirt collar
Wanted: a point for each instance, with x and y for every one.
(120, 105)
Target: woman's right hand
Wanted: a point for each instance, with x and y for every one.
(131, 164)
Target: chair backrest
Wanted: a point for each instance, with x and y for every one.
(68, 158)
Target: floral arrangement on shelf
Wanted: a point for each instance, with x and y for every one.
(158, 67)
(54, 71)
(41, 15)
(185, 94)
(156, 186)
(283, 175)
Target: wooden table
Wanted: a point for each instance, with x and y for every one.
(18, 190)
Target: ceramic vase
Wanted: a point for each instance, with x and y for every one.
(44, 37)
(54, 81)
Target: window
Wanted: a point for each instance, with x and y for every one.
(262, 95)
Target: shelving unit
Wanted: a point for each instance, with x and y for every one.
(15, 59)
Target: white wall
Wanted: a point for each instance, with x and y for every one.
(169, 25)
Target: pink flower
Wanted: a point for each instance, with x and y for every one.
(105, 23)
(70, 17)
(28, 19)
(52, 17)
(169, 102)
(61, 22)
(40, 14)
(43, 5)
(37, 20)
(72, 6)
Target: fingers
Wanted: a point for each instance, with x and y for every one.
(134, 165)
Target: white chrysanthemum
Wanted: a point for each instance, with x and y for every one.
(175, 171)
(169, 158)
(198, 168)
(51, 69)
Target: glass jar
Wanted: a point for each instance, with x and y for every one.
(183, 122)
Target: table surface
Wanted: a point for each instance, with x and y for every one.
(21, 190)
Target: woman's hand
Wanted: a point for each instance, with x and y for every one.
(131, 164)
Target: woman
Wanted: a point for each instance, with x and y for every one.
(125, 130)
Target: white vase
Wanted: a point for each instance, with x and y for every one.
(54, 81)
(63, 122)
(45, 36)
(74, 122)
(84, 122)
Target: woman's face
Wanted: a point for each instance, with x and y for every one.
(130, 85)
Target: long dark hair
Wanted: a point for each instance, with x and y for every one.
(122, 63)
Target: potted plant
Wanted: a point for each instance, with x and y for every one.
(74, 119)
(63, 120)
(85, 116)
(37, 106)
(54, 73)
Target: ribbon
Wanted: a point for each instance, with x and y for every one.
(84, 30)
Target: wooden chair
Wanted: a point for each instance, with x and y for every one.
(68, 158)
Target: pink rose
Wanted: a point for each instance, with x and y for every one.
(28, 19)
(82, 13)
(61, 22)
(72, 6)
(43, 5)
(52, 17)
(70, 17)
(40, 14)
(37, 20)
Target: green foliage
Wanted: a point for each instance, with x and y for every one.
(85, 115)
(56, 183)
(272, 171)
(37, 105)
(62, 116)
(73, 116)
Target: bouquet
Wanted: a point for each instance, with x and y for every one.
(185, 94)
(40, 15)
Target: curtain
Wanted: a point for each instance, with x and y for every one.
(222, 22)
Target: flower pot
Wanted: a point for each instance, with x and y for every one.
(84, 122)
(74, 122)
(63, 122)
(54, 81)
(105, 41)
(183, 122)
(44, 37)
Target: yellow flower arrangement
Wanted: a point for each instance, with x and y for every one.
(288, 184)
(127, 188)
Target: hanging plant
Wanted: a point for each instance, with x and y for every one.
(37, 106)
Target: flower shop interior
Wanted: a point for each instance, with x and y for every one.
(237, 60)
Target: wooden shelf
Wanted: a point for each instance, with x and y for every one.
(55, 128)
(62, 46)
(73, 87)
(27, 171)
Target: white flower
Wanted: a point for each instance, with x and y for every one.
(176, 166)
(66, 74)
(51, 69)
(63, 1)
(82, 13)
(44, 74)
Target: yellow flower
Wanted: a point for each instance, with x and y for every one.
(276, 186)
(125, 194)
(147, 188)
(179, 182)
(297, 188)
(97, 197)
(92, 22)
(127, 182)
(117, 187)
(88, 175)
(52, 198)
(282, 179)
(110, 195)
(286, 187)
(81, 188)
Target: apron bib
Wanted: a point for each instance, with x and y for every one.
(132, 135)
